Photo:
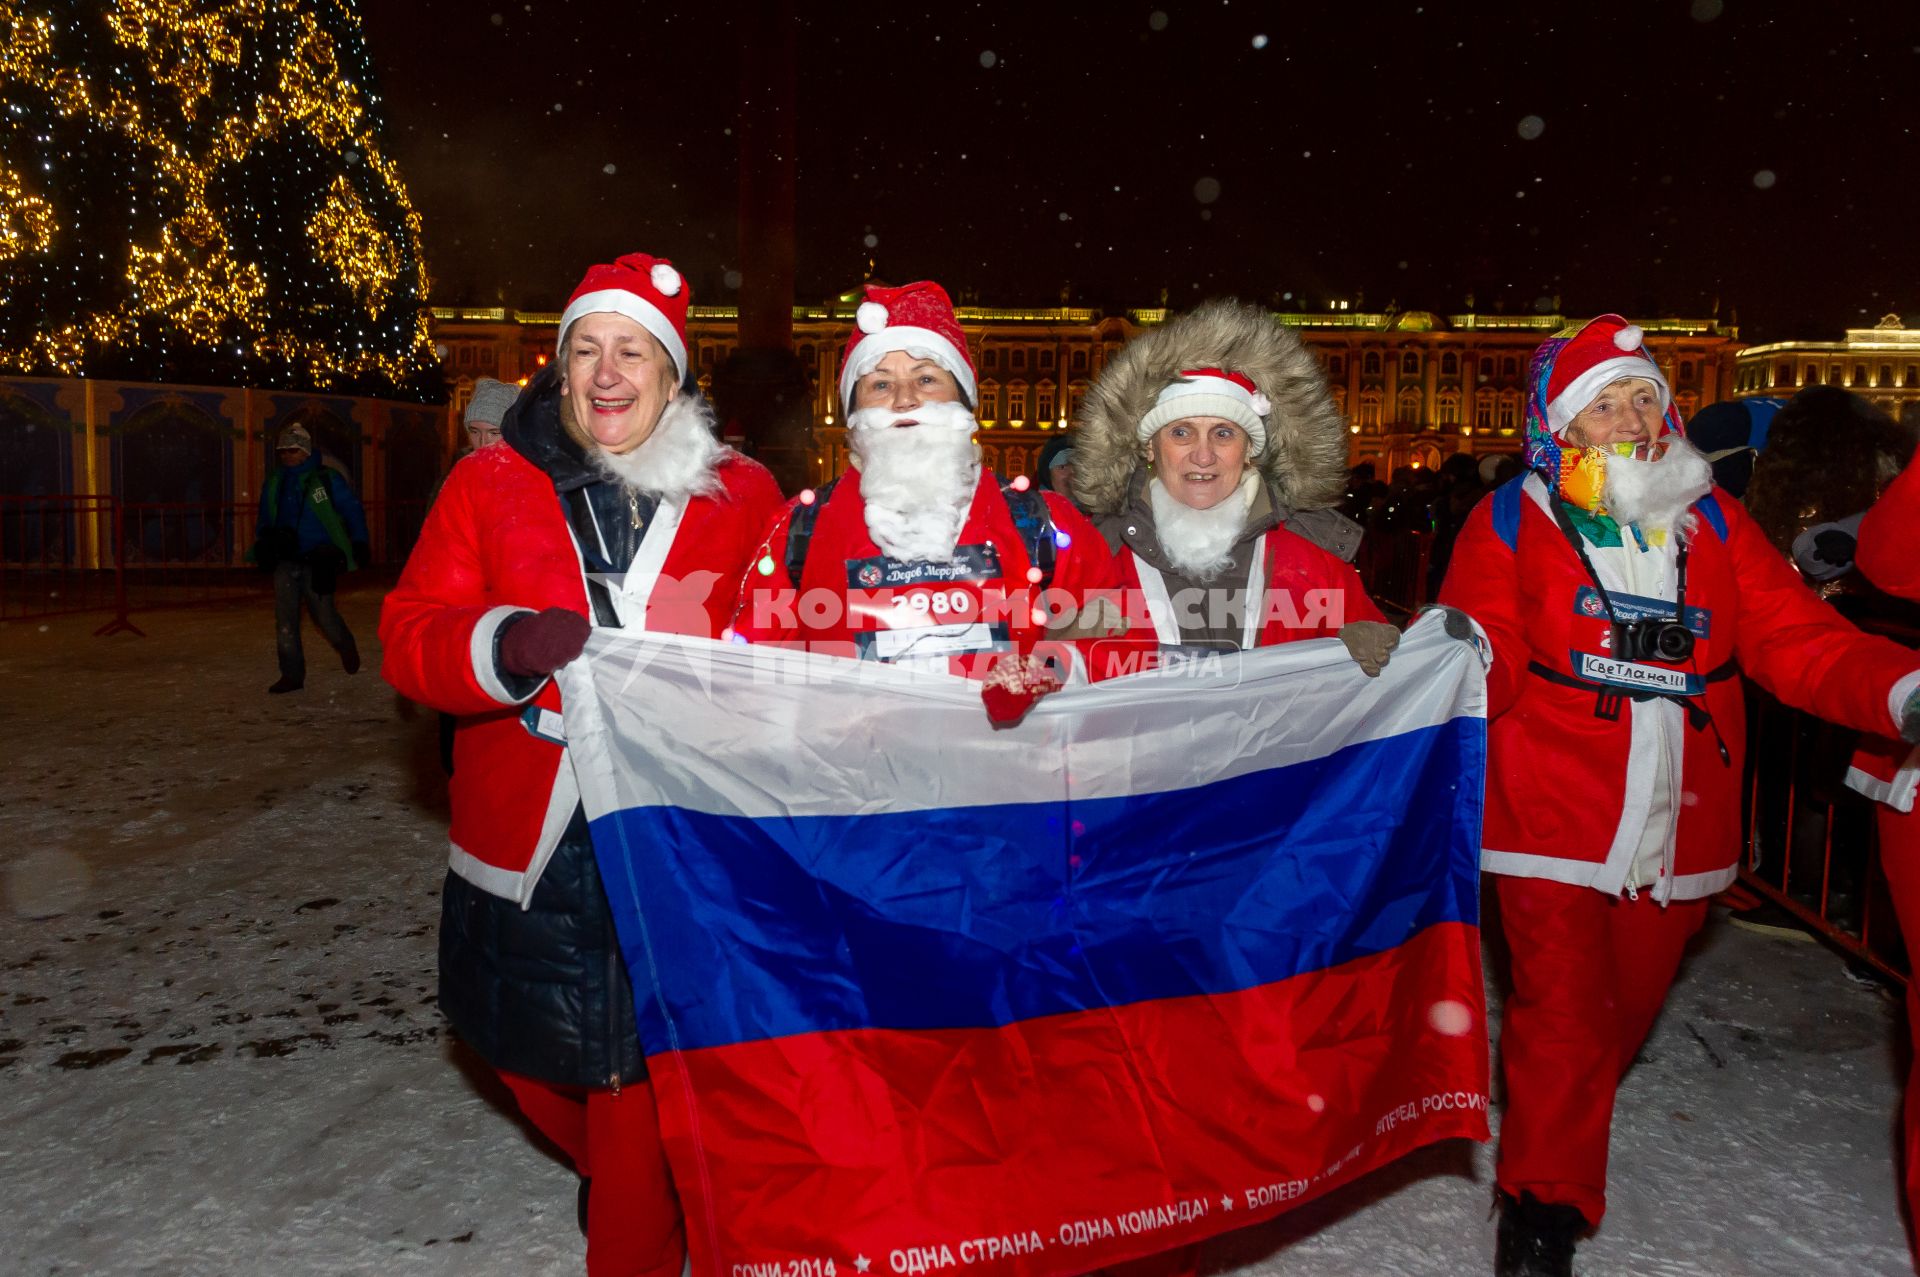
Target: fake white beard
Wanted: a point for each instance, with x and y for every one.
(676, 461)
(917, 482)
(1200, 542)
(1655, 494)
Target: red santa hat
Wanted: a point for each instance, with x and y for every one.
(917, 318)
(644, 288)
(1212, 392)
(1605, 350)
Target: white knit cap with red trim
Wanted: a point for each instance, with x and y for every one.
(1605, 350)
(917, 318)
(1212, 392)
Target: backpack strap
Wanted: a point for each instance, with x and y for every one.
(1506, 510)
(1034, 522)
(800, 529)
(1709, 509)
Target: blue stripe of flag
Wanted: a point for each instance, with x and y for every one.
(980, 917)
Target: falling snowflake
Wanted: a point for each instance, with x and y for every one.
(1207, 190)
(1450, 1018)
(1764, 179)
(1532, 126)
(731, 279)
(988, 57)
(871, 241)
(1259, 42)
(1707, 10)
(1157, 20)
(609, 169)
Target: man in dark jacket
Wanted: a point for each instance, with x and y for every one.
(311, 529)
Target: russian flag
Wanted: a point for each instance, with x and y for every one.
(1182, 951)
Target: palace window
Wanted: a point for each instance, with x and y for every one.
(1408, 406)
(1783, 374)
(1509, 410)
(989, 402)
(1509, 366)
(1911, 379)
(1449, 365)
(1016, 403)
(1886, 375)
(1486, 369)
(1410, 363)
(1813, 376)
(1043, 408)
(1079, 361)
(1046, 358)
(1859, 374)
(1370, 364)
(1019, 356)
(1686, 370)
(1337, 366)
(1446, 408)
(1483, 410)
(1369, 416)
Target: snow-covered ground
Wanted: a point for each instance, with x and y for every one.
(219, 1052)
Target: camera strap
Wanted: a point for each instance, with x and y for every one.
(1579, 545)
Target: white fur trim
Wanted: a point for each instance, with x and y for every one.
(1585, 388)
(680, 459)
(1897, 793)
(480, 650)
(921, 343)
(1262, 404)
(618, 301)
(666, 279)
(1701, 885)
(1628, 338)
(871, 317)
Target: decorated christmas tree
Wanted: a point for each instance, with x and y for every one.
(197, 190)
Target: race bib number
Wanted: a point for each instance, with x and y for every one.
(925, 611)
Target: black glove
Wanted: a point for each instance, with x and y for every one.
(534, 645)
(1456, 623)
(324, 567)
(275, 546)
(1910, 720)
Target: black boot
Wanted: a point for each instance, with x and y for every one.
(350, 656)
(1535, 1238)
(285, 685)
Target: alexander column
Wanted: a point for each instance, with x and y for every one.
(761, 390)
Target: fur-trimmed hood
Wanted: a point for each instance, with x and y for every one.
(1305, 463)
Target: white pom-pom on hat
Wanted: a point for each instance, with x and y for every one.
(666, 279)
(1629, 338)
(1262, 404)
(871, 317)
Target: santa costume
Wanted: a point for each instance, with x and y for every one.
(920, 555)
(1624, 598)
(1187, 574)
(528, 545)
(1887, 770)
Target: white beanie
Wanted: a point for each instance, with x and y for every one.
(1212, 392)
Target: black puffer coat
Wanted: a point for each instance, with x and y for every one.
(543, 991)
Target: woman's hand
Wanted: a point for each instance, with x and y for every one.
(1370, 644)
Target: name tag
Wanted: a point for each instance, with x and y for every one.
(544, 723)
(969, 563)
(1639, 678)
(1635, 607)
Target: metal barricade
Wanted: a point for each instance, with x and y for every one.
(56, 555)
(182, 554)
(1813, 844)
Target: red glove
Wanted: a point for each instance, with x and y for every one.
(1012, 685)
(535, 646)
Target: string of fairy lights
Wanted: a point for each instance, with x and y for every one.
(196, 189)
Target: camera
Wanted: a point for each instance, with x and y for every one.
(1667, 641)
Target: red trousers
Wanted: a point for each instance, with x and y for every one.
(634, 1226)
(1900, 857)
(1589, 974)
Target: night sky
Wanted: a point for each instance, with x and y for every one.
(1650, 156)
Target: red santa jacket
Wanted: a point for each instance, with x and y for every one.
(853, 600)
(1884, 768)
(1568, 791)
(1306, 592)
(495, 544)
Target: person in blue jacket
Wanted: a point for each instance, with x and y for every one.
(311, 530)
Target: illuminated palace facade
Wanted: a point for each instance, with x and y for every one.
(1415, 387)
(1881, 364)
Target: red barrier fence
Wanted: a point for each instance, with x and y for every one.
(67, 553)
(1813, 844)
